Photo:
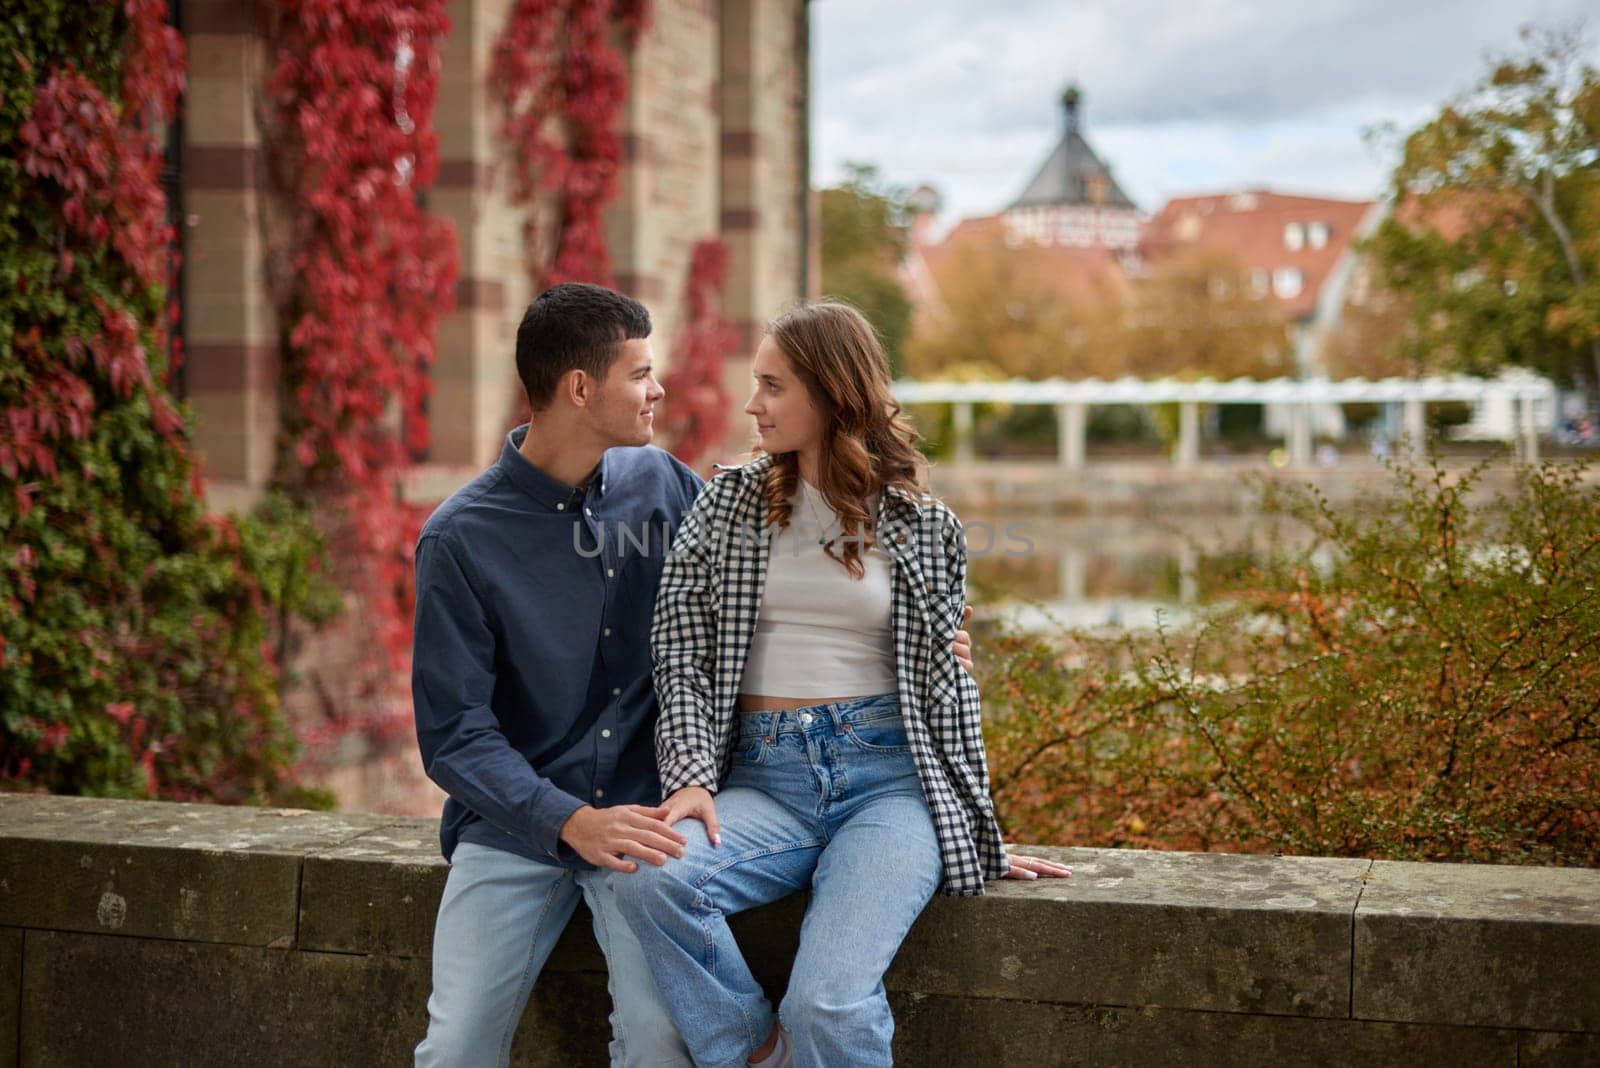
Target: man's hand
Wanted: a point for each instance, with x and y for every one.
(694, 801)
(962, 645)
(1033, 867)
(604, 836)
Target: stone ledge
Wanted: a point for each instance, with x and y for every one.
(1481, 944)
(204, 873)
(331, 913)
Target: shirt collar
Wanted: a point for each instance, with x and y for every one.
(550, 492)
(894, 495)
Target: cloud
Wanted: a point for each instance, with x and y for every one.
(1178, 96)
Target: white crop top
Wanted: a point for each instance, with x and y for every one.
(821, 632)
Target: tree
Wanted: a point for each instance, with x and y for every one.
(864, 235)
(1370, 340)
(1497, 226)
(1197, 316)
(1007, 308)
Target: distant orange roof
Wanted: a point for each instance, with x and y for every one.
(1272, 235)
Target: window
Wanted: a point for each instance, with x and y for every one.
(1317, 234)
(1294, 236)
(1287, 282)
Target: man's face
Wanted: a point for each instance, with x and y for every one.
(622, 412)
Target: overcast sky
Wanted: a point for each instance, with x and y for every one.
(1180, 96)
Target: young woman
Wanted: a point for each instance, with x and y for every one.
(802, 661)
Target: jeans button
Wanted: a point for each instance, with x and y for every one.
(805, 719)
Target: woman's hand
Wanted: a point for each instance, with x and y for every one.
(1033, 867)
(961, 646)
(696, 802)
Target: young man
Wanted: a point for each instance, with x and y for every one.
(531, 681)
(535, 710)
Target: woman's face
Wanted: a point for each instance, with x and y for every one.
(785, 417)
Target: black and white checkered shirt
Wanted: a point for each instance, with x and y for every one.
(705, 617)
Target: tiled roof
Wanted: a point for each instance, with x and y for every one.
(1073, 174)
(1255, 227)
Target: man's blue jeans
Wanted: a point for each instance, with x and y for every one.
(498, 921)
(824, 798)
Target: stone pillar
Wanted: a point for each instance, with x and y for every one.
(963, 432)
(764, 188)
(1529, 429)
(1414, 428)
(231, 343)
(670, 189)
(1072, 434)
(1188, 451)
(475, 386)
(1299, 434)
(1073, 568)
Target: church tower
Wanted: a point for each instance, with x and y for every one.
(1073, 201)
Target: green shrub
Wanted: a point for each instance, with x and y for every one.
(137, 631)
(1418, 680)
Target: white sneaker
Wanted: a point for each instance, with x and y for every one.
(782, 1056)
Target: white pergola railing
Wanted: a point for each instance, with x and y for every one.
(1520, 391)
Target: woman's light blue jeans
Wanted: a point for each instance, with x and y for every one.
(824, 798)
(498, 921)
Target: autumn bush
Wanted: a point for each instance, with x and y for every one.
(137, 630)
(1416, 677)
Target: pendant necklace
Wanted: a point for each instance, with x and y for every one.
(822, 527)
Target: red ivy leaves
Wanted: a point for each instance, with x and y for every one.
(554, 60)
(105, 162)
(697, 402)
(104, 157)
(351, 95)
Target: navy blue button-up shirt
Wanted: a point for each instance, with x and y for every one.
(531, 657)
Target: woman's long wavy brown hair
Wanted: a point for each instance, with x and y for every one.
(867, 443)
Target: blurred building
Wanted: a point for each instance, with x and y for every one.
(1296, 250)
(1071, 221)
(715, 145)
(1074, 223)
(1073, 201)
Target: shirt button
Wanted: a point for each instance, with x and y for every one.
(607, 632)
(599, 793)
(616, 693)
(588, 511)
(606, 733)
(561, 507)
(611, 572)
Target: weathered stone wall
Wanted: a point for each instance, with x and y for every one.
(147, 933)
(669, 187)
(763, 178)
(714, 142)
(231, 357)
(692, 170)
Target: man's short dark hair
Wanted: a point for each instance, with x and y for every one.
(570, 326)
